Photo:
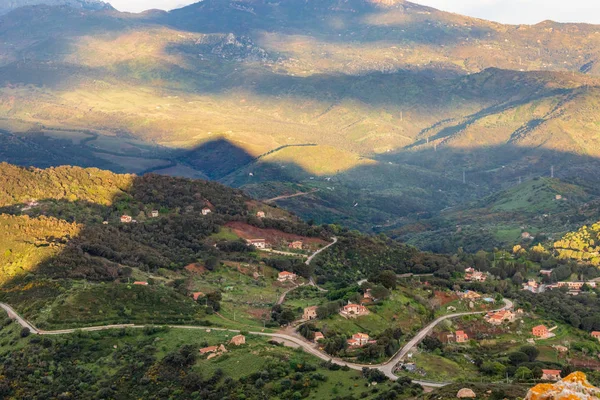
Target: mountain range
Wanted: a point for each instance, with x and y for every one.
(10, 5)
(382, 113)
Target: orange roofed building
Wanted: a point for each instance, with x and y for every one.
(286, 276)
(499, 317)
(358, 340)
(461, 337)
(551, 375)
(141, 283)
(596, 335)
(353, 311)
(297, 245)
(197, 295)
(540, 331)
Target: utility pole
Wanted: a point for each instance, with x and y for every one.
(552, 171)
(520, 180)
(401, 115)
(435, 147)
(464, 177)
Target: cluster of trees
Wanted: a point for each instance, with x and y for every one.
(520, 365)
(20, 185)
(386, 343)
(357, 256)
(583, 245)
(295, 265)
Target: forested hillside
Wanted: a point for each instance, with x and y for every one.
(374, 116)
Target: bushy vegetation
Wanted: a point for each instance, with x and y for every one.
(583, 245)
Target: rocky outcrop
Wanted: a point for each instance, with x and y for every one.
(573, 387)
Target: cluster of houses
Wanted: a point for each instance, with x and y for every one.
(262, 244)
(215, 351)
(350, 310)
(471, 275)
(128, 219)
(574, 287)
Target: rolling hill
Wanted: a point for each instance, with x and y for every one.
(375, 108)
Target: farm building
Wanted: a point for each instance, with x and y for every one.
(286, 276)
(257, 243)
(353, 311)
(310, 313)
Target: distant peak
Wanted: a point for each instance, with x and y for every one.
(6, 7)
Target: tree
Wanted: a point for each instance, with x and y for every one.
(531, 351)
(431, 343)
(387, 279)
(25, 332)
(523, 373)
(518, 357)
(211, 263)
(380, 292)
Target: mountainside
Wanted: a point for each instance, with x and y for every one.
(147, 286)
(10, 5)
(373, 109)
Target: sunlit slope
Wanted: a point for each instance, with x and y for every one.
(392, 99)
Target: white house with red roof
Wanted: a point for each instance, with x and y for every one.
(551, 375)
(286, 276)
(257, 243)
(353, 311)
(359, 340)
(500, 317)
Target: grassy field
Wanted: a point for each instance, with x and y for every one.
(397, 311)
(440, 369)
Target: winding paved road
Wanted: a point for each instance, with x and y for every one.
(387, 368)
(316, 253)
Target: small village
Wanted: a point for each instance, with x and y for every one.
(272, 291)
